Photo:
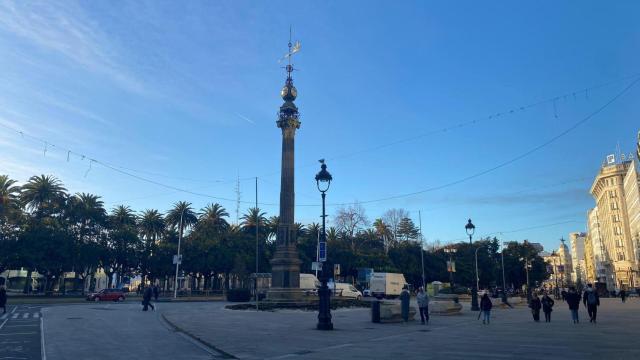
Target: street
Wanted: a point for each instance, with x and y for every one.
(122, 330)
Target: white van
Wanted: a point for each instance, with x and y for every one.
(309, 283)
(346, 290)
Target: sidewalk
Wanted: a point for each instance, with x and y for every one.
(512, 334)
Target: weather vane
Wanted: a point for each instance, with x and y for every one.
(293, 48)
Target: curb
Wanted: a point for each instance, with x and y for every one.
(211, 347)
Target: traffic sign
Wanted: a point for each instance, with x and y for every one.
(323, 251)
(177, 259)
(316, 265)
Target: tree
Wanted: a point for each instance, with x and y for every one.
(392, 218)
(251, 218)
(214, 216)
(9, 197)
(151, 226)
(351, 219)
(182, 210)
(407, 229)
(44, 194)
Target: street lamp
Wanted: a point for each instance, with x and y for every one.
(450, 251)
(504, 279)
(470, 228)
(323, 181)
(527, 266)
(178, 260)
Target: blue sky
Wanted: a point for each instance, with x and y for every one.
(186, 94)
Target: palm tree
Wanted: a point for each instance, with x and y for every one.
(181, 210)
(152, 225)
(272, 226)
(122, 216)
(43, 194)
(214, 215)
(87, 210)
(251, 218)
(9, 196)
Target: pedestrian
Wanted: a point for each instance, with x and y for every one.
(573, 300)
(564, 295)
(423, 305)
(547, 307)
(623, 295)
(3, 299)
(156, 292)
(485, 307)
(535, 304)
(146, 299)
(591, 300)
(405, 298)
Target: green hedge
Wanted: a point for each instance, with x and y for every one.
(238, 295)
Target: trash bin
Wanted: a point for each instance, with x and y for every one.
(375, 311)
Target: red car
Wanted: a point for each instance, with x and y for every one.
(107, 295)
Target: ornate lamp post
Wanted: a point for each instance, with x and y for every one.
(450, 268)
(323, 181)
(470, 228)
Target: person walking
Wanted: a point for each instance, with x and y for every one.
(146, 299)
(485, 307)
(547, 307)
(156, 292)
(573, 300)
(535, 306)
(623, 295)
(3, 299)
(405, 298)
(591, 300)
(423, 305)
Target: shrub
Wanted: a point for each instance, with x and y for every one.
(238, 295)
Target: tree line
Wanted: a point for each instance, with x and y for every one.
(46, 229)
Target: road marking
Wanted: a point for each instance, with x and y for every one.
(4, 316)
(27, 333)
(4, 322)
(36, 315)
(25, 315)
(15, 316)
(42, 350)
(14, 309)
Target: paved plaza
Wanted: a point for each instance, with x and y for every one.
(206, 330)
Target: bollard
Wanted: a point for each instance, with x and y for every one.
(375, 311)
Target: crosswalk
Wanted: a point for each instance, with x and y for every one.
(20, 315)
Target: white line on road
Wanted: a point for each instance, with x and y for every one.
(14, 309)
(12, 334)
(25, 315)
(42, 350)
(4, 316)
(4, 322)
(36, 315)
(15, 316)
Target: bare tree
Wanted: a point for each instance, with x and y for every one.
(351, 219)
(392, 219)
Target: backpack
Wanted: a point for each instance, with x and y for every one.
(591, 298)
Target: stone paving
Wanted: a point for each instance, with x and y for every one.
(511, 334)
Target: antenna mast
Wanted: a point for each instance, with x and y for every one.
(238, 199)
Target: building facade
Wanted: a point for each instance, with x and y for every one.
(613, 219)
(576, 241)
(631, 186)
(589, 261)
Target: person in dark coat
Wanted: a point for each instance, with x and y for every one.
(146, 299)
(623, 295)
(573, 300)
(3, 299)
(485, 307)
(405, 298)
(591, 300)
(535, 304)
(156, 292)
(547, 307)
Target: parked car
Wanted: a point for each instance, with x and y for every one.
(107, 295)
(345, 290)
(366, 292)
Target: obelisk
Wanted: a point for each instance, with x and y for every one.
(285, 265)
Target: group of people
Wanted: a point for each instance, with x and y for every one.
(590, 299)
